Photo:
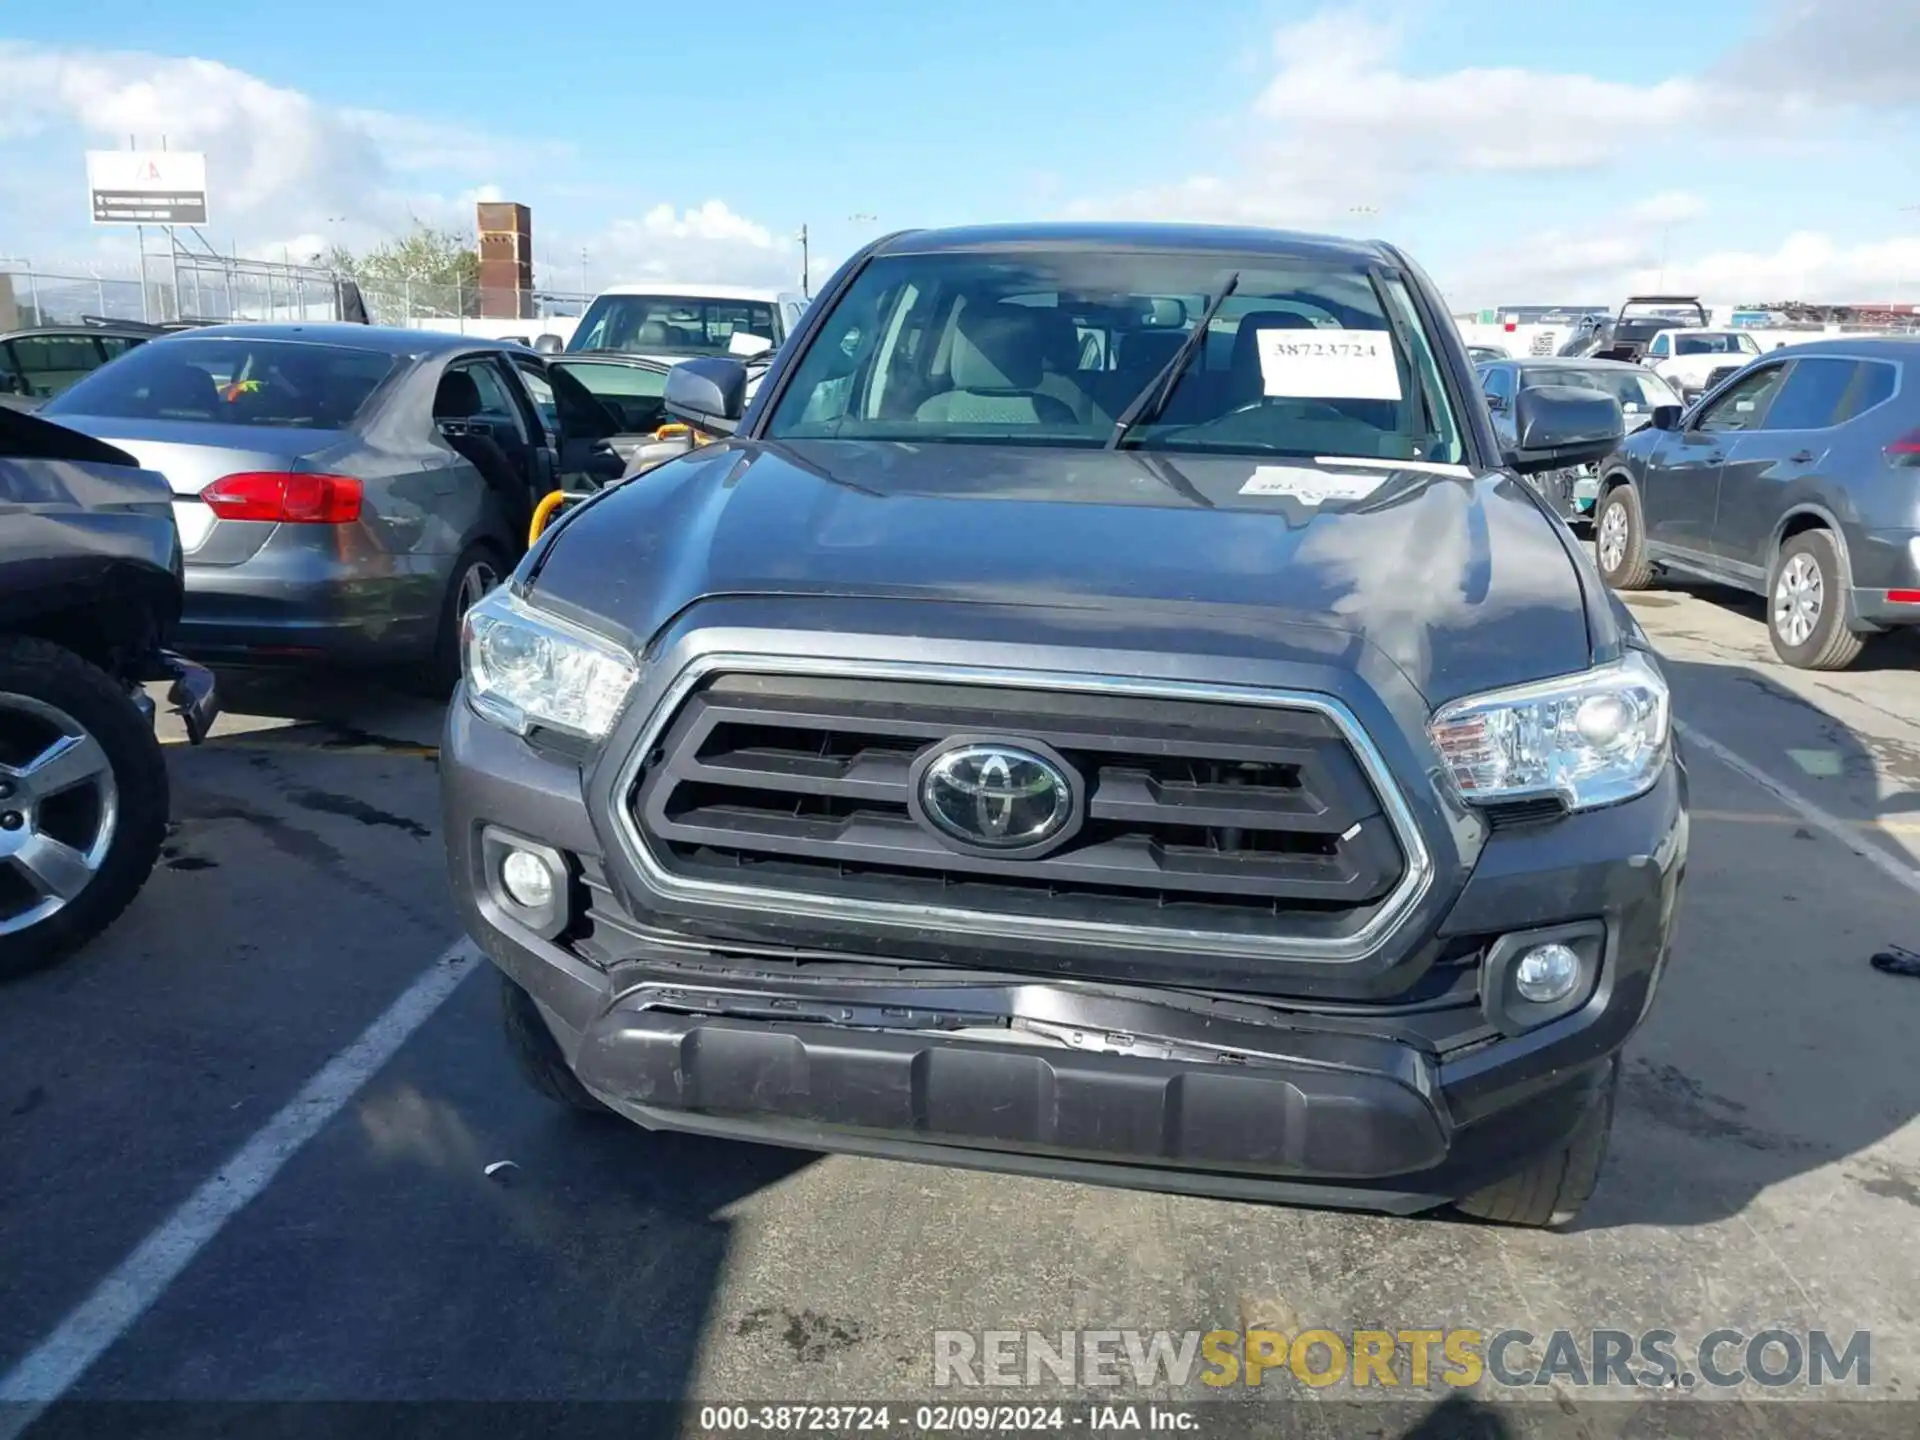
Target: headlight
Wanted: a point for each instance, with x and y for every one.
(525, 668)
(1592, 739)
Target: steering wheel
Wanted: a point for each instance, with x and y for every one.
(1313, 409)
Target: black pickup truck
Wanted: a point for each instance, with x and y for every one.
(90, 588)
(1110, 708)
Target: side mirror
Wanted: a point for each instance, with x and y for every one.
(1563, 425)
(549, 344)
(708, 394)
(1667, 417)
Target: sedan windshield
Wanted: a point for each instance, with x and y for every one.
(670, 324)
(237, 380)
(1637, 391)
(1308, 356)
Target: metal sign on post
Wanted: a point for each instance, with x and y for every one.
(147, 187)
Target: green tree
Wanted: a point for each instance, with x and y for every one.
(428, 271)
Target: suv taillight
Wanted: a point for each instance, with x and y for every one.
(286, 498)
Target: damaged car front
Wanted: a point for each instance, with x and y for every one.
(1048, 738)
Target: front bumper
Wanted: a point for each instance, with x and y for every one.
(1398, 1106)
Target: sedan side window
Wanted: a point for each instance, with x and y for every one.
(53, 362)
(1744, 405)
(497, 407)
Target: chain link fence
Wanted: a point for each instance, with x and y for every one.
(212, 288)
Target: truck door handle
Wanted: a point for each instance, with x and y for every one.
(1804, 457)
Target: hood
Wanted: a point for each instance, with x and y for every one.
(193, 454)
(1461, 580)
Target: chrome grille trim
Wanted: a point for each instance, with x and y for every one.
(983, 925)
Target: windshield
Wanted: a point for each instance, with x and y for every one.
(1715, 345)
(670, 324)
(1637, 391)
(241, 380)
(1308, 357)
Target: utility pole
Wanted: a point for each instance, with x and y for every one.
(806, 275)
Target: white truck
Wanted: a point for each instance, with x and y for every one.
(1694, 360)
(675, 322)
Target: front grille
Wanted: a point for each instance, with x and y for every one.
(1246, 820)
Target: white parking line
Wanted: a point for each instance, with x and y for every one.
(1847, 834)
(58, 1361)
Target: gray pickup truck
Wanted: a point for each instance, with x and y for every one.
(1108, 708)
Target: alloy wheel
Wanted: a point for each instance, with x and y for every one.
(59, 809)
(478, 579)
(1798, 597)
(1613, 537)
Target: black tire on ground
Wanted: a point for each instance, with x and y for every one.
(1830, 645)
(537, 1053)
(444, 669)
(53, 675)
(1631, 570)
(1551, 1191)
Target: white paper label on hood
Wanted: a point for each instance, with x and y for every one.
(1328, 364)
(1310, 487)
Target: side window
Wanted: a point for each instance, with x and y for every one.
(1873, 384)
(1659, 347)
(51, 363)
(12, 382)
(1812, 397)
(114, 346)
(1743, 405)
(542, 395)
(496, 403)
(1499, 386)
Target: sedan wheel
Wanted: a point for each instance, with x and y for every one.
(59, 810)
(1798, 599)
(478, 578)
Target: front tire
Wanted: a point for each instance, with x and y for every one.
(83, 802)
(1620, 539)
(1551, 1192)
(536, 1054)
(1806, 605)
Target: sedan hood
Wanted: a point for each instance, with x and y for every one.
(1459, 579)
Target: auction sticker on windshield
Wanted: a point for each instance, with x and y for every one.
(1328, 365)
(1312, 487)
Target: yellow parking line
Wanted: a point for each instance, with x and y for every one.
(1755, 817)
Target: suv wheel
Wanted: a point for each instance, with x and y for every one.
(1552, 1190)
(1620, 540)
(83, 802)
(1806, 605)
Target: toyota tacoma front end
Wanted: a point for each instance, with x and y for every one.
(1107, 712)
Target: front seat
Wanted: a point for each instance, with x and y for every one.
(655, 334)
(183, 388)
(1248, 383)
(996, 369)
(1060, 353)
(458, 401)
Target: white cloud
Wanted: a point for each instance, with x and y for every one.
(1806, 265)
(1838, 52)
(289, 175)
(1669, 207)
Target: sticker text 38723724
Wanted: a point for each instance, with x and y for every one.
(1328, 364)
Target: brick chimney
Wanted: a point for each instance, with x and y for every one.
(506, 261)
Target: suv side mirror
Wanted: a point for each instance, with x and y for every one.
(548, 344)
(1667, 417)
(708, 394)
(1563, 425)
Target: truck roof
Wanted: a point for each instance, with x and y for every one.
(693, 291)
(1230, 239)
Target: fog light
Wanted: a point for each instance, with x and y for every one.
(1547, 973)
(529, 882)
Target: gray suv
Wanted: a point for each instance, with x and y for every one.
(1107, 708)
(1798, 479)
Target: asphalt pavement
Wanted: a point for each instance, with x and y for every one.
(215, 1185)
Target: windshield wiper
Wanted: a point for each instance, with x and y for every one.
(1144, 406)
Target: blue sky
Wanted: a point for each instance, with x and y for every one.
(1540, 153)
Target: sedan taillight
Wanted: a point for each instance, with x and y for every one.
(1905, 450)
(285, 498)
